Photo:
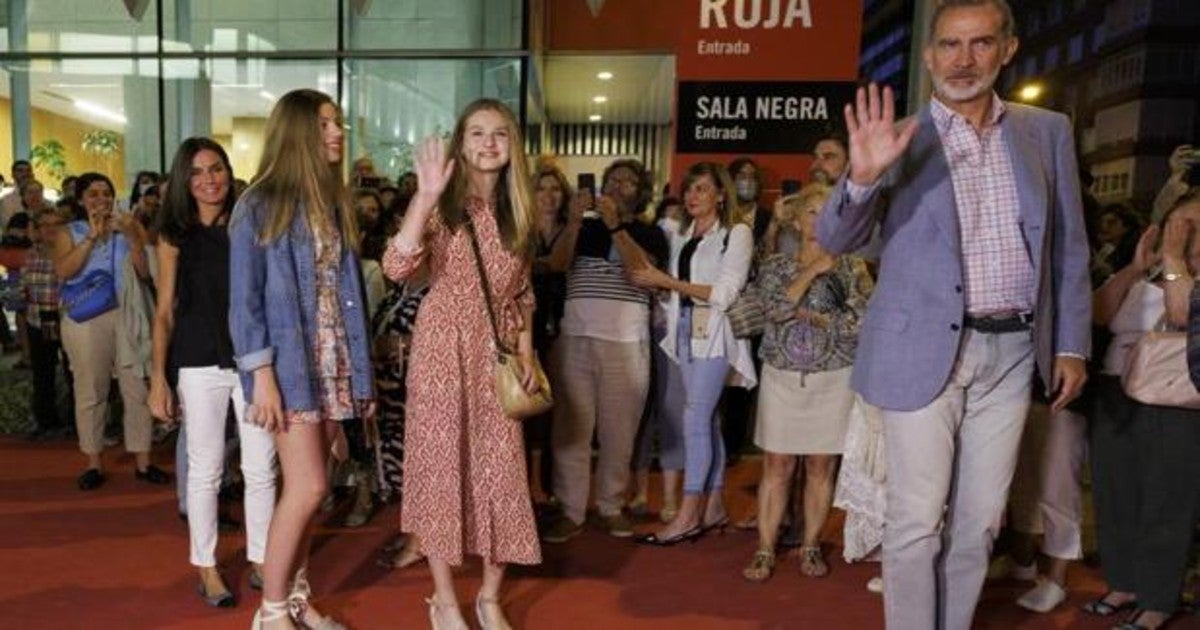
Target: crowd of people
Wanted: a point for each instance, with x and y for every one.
(941, 313)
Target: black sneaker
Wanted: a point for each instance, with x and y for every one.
(152, 474)
(617, 525)
(91, 479)
(562, 530)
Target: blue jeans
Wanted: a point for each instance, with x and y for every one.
(703, 381)
(665, 419)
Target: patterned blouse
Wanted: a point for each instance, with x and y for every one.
(839, 297)
(331, 350)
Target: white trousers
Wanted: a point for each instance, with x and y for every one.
(1047, 496)
(949, 466)
(205, 395)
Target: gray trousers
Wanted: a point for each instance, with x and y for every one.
(1146, 487)
(600, 388)
(949, 466)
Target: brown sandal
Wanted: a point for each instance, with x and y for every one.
(812, 563)
(761, 566)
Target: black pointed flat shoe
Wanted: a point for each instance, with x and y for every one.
(152, 474)
(220, 600)
(691, 535)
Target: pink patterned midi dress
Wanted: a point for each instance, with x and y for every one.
(464, 488)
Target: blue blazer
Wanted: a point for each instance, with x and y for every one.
(273, 307)
(911, 333)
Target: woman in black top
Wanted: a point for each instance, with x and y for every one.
(192, 345)
(552, 193)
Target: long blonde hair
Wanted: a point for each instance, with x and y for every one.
(515, 210)
(293, 170)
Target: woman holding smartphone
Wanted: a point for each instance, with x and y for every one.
(103, 242)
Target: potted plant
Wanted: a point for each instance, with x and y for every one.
(103, 143)
(51, 156)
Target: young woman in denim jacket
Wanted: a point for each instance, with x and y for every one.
(299, 328)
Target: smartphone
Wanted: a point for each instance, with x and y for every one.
(587, 181)
(1192, 176)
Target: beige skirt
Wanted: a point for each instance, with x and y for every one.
(803, 414)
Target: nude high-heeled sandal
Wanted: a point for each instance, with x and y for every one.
(298, 602)
(434, 605)
(269, 611)
(483, 620)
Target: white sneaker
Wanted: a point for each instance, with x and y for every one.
(1044, 597)
(875, 584)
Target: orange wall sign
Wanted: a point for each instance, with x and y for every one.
(718, 39)
(766, 46)
(768, 40)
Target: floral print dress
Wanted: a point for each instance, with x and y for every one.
(331, 351)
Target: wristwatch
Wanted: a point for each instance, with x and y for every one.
(1171, 276)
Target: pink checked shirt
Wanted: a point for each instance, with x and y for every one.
(998, 274)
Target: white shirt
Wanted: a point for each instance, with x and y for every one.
(1140, 312)
(724, 265)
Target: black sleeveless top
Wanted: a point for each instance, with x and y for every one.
(201, 335)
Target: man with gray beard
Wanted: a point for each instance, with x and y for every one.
(983, 276)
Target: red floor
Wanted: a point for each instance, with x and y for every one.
(117, 558)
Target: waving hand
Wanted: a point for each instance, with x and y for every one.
(875, 142)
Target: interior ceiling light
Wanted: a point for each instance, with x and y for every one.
(604, 75)
(100, 111)
(595, 118)
(600, 99)
(83, 86)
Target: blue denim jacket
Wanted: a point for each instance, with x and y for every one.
(273, 307)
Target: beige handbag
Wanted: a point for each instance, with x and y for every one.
(1156, 371)
(514, 400)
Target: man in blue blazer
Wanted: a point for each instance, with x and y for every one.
(983, 275)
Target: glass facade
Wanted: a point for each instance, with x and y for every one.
(145, 74)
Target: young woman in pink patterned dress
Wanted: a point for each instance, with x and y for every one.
(465, 489)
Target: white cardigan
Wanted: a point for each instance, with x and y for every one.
(725, 268)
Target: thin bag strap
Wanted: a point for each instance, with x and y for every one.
(485, 285)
